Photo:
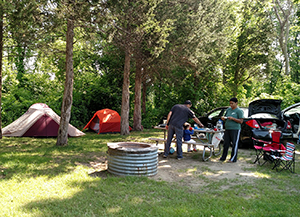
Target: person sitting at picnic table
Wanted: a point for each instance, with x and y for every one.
(178, 115)
(187, 132)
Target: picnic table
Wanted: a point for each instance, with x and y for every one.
(211, 140)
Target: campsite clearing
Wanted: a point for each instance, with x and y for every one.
(41, 179)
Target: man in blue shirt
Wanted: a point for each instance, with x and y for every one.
(178, 115)
(234, 118)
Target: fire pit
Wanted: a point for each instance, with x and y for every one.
(132, 159)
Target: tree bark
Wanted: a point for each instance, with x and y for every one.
(284, 26)
(285, 49)
(1, 56)
(144, 90)
(125, 96)
(62, 137)
(137, 115)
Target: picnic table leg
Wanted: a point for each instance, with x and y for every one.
(219, 147)
(210, 154)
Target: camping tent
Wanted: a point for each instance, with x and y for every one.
(38, 121)
(105, 121)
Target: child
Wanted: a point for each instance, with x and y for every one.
(187, 132)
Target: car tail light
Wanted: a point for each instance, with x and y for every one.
(252, 124)
(288, 126)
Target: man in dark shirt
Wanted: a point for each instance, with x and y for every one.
(178, 115)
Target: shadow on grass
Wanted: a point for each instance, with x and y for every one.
(140, 196)
(108, 196)
(32, 157)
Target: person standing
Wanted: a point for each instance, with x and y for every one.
(178, 115)
(234, 118)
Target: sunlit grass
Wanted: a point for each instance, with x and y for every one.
(37, 178)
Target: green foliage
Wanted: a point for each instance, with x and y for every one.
(250, 48)
(153, 117)
(284, 89)
(191, 37)
(288, 91)
(294, 49)
(38, 88)
(204, 90)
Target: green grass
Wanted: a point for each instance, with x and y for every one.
(40, 179)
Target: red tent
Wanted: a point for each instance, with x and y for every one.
(105, 121)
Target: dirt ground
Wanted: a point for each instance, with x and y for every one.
(192, 171)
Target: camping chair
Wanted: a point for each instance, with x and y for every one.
(287, 161)
(266, 148)
(258, 146)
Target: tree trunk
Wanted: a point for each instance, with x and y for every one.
(285, 49)
(20, 64)
(62, 137)
(1, 56)
(284, 27)
(144, 95)
(137, 115)
(296, 73)
(125, 96)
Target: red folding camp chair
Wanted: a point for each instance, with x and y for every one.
(264, 149)
(258, 146)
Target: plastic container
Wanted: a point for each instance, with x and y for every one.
(219, 125)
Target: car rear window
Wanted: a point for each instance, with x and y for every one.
(214, 114)
(293, 110)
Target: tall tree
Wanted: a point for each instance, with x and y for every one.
(149, 44)
(283, 10)
(196, 48)
(131, 21)
(21, 27)
(76, 12)
(121, 33)
(137, 113)
(295, 55)
(251, 49)
(1, 55)
(25, 24)
(62, 137)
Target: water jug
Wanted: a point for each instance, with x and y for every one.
(219, 125)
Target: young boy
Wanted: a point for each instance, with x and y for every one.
(187, 132)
